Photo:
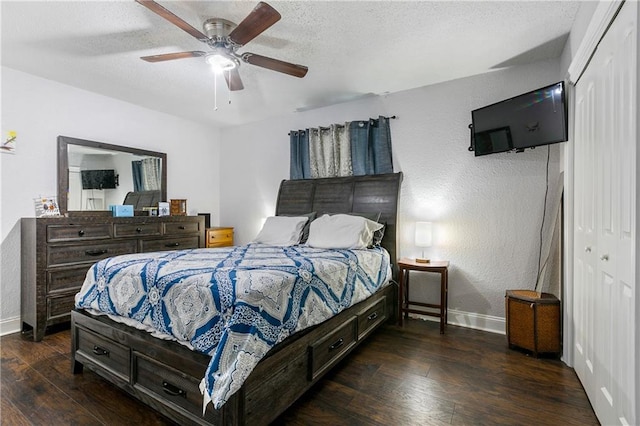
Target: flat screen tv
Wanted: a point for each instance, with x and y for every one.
(98, 179)
(532, 119)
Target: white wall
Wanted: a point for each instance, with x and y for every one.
(40, 110)
(486, 211)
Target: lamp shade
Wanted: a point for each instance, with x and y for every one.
(423, 234)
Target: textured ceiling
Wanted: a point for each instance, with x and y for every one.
(353, 49)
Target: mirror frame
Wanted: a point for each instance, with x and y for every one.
(63, 169)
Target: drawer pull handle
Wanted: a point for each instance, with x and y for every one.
(96, 252)
(181, 227)
(337, 344)
(81, 232)
(100, 351)
(172, 245)
(173, 390)
(372, 316)
(138, 229)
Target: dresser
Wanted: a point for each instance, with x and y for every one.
(57, 253)
(219, 237)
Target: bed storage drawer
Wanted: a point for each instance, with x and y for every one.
(169, 244)
(169, 385)
(370, 317)
(110, 355)
(324, 353)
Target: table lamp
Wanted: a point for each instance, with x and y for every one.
(423, 239)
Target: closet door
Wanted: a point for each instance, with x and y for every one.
(605, 223)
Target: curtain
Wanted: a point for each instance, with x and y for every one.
(136, 172)
(147, 174)
(353, 149)
(371, 147)
(330, 151)
(299, 163)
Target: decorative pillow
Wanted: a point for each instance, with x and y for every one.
(305, 230)
(281, 230)
(342, 231)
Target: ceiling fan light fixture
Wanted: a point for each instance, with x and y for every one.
(220, 63)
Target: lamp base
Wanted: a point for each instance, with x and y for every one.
(419, 260)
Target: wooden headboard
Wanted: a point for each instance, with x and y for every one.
(359, 194)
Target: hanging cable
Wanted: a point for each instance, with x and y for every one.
(544, 213)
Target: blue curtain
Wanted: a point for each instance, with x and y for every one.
(299, 162)
(371, 147)
(136, 171)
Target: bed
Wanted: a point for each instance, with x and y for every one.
(168, 375)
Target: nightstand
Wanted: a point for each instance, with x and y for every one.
(219, 236)
(436, 266)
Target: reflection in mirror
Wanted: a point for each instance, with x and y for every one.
(94, 175)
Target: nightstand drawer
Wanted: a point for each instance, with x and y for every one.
(219, 237)
(60, 306)
(327, 351)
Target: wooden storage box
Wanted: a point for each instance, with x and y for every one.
(533, 321)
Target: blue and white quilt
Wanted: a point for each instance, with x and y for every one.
(233, 304)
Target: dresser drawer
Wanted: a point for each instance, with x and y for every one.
(180, 228)
(59, 307)
(168, 384)
(110, 355)
(169, 244)
(370, 317)
(219, 237)
(135, 229)
(61, 255)
(69, 232)
(327, 351)
(66, 279)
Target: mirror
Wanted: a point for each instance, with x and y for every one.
(94, 175)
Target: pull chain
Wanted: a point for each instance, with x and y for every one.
(229, 85)
(215, 91)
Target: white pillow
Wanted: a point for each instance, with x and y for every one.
(342, 231)
(281, 230)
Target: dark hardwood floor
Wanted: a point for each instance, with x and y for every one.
(400, 376)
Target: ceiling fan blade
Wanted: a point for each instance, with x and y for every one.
(261, 17)
(275, 65)
(172, 56)
(233, 79)
(175, 20)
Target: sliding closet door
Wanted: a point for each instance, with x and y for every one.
(605, 223)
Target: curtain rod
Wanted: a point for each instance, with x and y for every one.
(393, 117)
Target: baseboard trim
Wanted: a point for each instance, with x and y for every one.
(470, 320)
(9, 326)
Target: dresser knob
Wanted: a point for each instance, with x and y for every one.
(81, 232)
(587, 249)
(604, 257)
(138, 230)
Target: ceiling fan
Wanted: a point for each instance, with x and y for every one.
(224, 38)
